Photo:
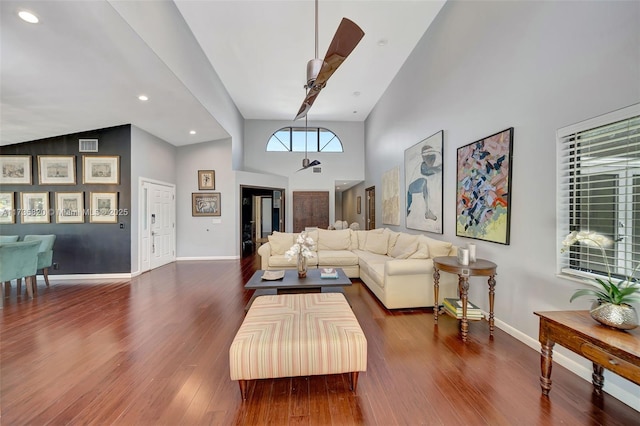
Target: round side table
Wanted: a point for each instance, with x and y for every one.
(480, 267)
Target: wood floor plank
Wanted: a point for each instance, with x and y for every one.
(154, 350)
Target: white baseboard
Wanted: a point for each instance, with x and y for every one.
(208, 258)
(79, 277)
(626, 397)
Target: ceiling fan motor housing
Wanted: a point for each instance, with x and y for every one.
(313, 69)
(305, 162)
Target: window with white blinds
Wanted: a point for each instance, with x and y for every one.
(599, 191)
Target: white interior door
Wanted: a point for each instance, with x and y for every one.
(162, 208)
(157, 225)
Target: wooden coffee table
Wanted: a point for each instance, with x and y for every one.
(290, 283)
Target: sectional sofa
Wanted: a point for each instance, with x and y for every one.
(397, 267)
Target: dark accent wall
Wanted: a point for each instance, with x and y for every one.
(82, 248)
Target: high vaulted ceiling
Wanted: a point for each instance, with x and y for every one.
(83, 65)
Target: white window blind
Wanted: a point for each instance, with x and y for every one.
(599, 191)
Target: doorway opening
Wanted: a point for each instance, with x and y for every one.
(157, 229)
(370, 214)
(262, 212)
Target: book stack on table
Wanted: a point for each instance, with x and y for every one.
(454, 308)
(329, 273)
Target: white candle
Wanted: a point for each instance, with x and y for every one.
(463, 256)
(472, 252)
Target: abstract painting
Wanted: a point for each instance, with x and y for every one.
(424, 185)
(483, 195)
(391, 196)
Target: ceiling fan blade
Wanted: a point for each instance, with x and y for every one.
(347, 37)
(306, 104)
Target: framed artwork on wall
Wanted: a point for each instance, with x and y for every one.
(34, 207)
(104, 207)
(205, 204)
(15, 169)
(206, 179)
(101, 169)
(391, 196)
(358, 204)
(7, 207)
(483, 188)
(57, 169)
(424, 185)
(69, 207)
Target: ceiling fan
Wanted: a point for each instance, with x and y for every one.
(346, 38)
(306, 163)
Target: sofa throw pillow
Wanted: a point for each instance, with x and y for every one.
(377, 242)
(334, 240)
(422, 252)
(438, 248)
(393, 237)
(405, 246)
(280, 242)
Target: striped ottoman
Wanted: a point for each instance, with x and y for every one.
(291, 335)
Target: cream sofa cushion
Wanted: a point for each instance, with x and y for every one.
(280, 242)
(405, 246)
(422, 252)
(377, 242)
(436, 247)
(334, 240)
(393, 237)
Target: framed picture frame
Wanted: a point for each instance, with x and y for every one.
(103, 207)
(15, 170)
(358, 204)
(97, 169)
(483, 188)
(391, 196)
(34, 207)
(205, 204)
(69, 207)
(57, 169)
(206, 179)
(7, 208)
(423, 168)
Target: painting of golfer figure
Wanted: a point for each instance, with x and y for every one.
(423, 178)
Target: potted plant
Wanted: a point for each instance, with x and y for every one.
(612, 305)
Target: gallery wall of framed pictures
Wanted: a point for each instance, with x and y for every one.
(35, 206)
(206, 203)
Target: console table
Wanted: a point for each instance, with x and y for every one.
(615, 350)
(480, 267)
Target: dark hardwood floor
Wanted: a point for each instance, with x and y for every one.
(154, 351)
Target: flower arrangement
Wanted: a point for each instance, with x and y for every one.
(304, 246)
(612, 291)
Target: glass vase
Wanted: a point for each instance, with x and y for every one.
(302, 266)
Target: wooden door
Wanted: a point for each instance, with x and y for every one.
(310, 208)
(370, 217)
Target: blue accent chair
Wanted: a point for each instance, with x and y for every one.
(17, 260)
(45, 253)
(8, 238)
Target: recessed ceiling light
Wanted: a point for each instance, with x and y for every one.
(143, 97)
(28, 17)
(383, 42)
(192, 132)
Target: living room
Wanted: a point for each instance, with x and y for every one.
(480, 68)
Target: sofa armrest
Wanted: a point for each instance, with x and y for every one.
(265, 252)
(408, 266)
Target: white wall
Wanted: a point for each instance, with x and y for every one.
(335, 166)
(152, 158)
(206, 237)
(536, 66)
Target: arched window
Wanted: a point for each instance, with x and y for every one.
(292, 139)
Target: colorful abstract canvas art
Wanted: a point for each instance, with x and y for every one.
(483, 188)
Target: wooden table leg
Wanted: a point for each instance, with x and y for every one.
(436, 285)
(546, 361)
(597, 378)
(492, 287)
(463, 283)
